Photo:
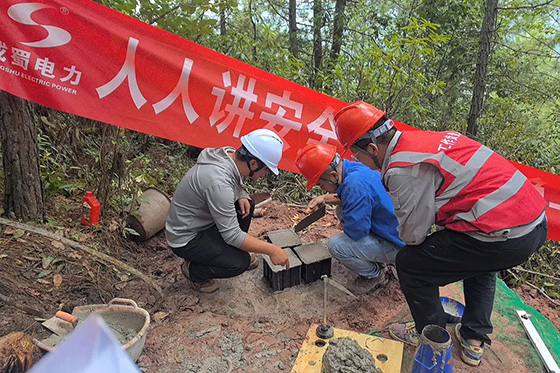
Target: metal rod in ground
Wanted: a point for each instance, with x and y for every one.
(325, 281)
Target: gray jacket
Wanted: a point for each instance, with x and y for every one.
(206, 196)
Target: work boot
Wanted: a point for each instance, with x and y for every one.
(254, 262)
(406, 333)
(393, 269)
(364, 285)
(470, 354)
(208, 286)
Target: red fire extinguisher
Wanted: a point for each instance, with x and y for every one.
(90, 210)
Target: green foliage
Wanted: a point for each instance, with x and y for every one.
(544, 261)
(287, 187)
(55, 168)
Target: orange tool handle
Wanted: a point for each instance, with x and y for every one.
(66, 316)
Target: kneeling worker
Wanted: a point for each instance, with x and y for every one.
(210, 213)
(370, 227)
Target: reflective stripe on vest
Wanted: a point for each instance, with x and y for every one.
(499, 196)
(480, 191)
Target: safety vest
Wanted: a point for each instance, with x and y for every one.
(481, 190)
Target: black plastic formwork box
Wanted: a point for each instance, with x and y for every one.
(316, 260)
(278, 277)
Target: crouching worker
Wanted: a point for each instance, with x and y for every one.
(370, 227)
(489, 218)
(210, 213)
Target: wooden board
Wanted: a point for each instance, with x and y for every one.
(386, 352)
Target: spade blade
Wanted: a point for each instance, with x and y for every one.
(311, 218)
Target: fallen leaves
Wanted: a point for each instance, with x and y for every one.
(158, 316)
(16, 233)
(57, 280)
(57, 244)
(31, 258)
(46, 261)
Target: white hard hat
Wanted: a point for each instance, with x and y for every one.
(265, 145)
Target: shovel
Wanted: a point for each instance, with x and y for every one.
(61, 323)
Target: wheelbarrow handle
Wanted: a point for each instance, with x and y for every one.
(126, 301)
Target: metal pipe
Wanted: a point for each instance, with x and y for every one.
(325, 281)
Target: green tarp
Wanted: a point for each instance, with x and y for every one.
(509, 330)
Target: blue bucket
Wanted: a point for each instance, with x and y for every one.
(453, 309)
(433, 354)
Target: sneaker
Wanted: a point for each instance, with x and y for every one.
(254, 262)
(406, 333)
(209, 286)
(470, 354)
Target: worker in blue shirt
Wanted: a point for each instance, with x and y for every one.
(370, 235)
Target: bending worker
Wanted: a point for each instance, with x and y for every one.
(488, 216)
(210, 213)
(370, 227)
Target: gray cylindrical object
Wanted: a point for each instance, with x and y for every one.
(148, 216)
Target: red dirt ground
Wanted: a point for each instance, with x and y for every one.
(244, 327)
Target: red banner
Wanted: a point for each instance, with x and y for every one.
(83, 58)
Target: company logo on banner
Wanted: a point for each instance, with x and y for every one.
(86, 59)
(56, 36)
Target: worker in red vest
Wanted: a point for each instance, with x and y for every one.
(488, 218)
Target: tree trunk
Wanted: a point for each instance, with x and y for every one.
(317, 42)
(23, 188)
(254, 48)
(487, 31)
(338, 31)
(293, 28)
(223, 30)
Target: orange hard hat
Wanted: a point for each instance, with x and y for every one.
(313, 160)
(354, 120)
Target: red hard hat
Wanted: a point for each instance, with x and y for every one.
(352, 121)
(313, 160)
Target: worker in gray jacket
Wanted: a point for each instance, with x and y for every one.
(210, 213)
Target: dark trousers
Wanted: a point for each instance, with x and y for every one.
(447, 256)
(211, 257)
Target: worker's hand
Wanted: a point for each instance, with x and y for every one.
(317, 201)
(244, 207)
(280, 258)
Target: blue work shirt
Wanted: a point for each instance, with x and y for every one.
(366, 206)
